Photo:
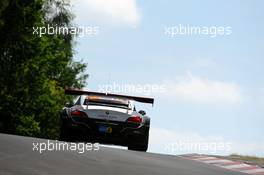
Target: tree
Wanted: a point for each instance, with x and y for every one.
(35, 70)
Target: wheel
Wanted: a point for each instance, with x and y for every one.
(64, 135)
(140, 147)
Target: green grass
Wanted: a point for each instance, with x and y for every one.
(249, 159)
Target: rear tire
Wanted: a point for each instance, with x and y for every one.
(140, 147)
(64, 136)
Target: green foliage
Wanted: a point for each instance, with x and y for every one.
(26, 125)
(35, 70)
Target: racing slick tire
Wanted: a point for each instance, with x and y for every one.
(64, 135)
(140, 147)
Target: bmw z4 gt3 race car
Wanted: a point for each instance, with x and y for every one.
(105, 118)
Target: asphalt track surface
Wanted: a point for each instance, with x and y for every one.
(17, 157)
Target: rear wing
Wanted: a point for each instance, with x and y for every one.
(83, 92)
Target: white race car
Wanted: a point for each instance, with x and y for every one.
(105, 118)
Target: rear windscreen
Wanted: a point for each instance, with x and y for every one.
(106, 101)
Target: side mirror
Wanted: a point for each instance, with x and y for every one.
(68, 105)
(142, 112)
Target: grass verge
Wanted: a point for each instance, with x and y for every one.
(247, 159)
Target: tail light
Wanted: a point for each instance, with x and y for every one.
(135, 119)
(77, 113)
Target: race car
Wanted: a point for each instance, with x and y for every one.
(105, 118)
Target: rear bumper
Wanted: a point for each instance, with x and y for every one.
(86, 129)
